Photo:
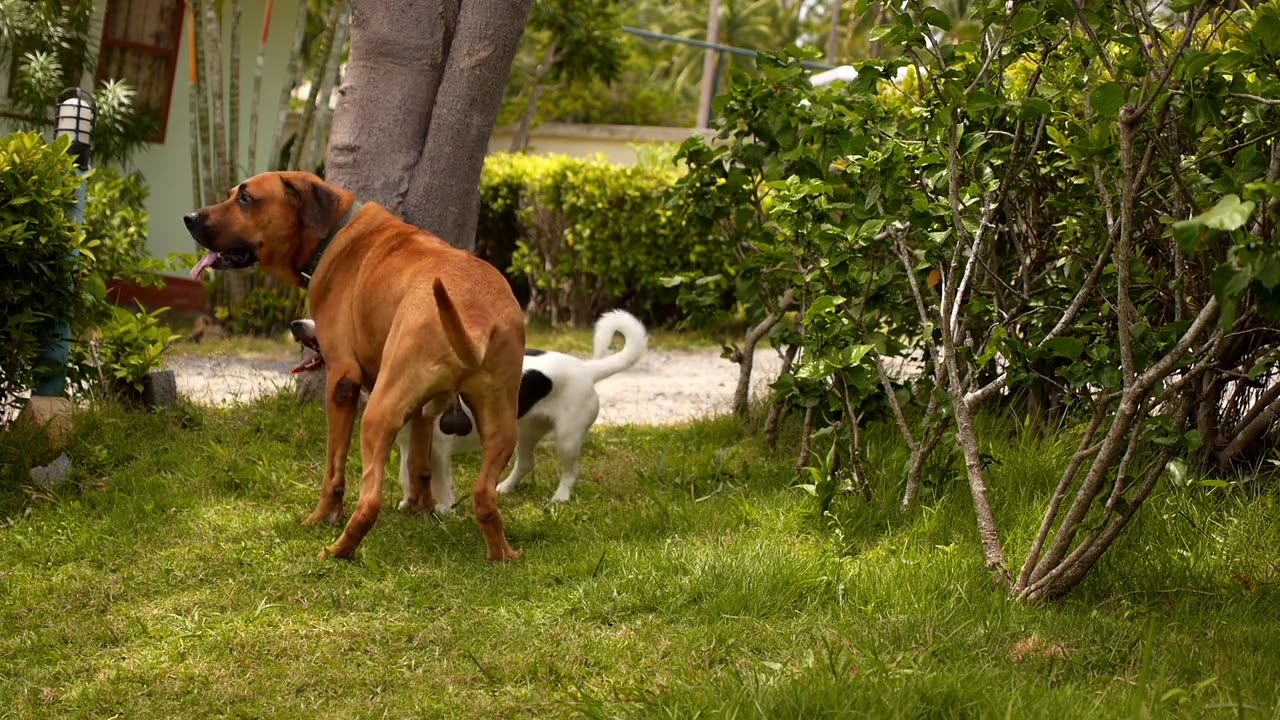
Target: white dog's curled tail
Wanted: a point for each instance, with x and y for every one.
(634, 342)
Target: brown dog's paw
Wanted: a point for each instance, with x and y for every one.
(337, 553)
(507, 555)
(326, 516)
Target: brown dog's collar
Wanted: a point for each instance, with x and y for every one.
(324, 243)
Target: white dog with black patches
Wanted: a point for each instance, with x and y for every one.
(557, 397)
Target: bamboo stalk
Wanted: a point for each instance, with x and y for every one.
(233, 98)
(256, 100)
(286, 90)
(202, 99)
(318, 73)
(213, 33)
(332, 78)
(193, 96)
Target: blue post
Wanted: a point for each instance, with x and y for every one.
(74, 116)
(58, 353)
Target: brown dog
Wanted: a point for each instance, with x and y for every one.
(382, 313)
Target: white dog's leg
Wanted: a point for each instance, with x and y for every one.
(526, 444)
(569, 448)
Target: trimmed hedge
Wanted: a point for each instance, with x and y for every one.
(39, 243)
(579, 237)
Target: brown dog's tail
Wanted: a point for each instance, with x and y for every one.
(453, 327)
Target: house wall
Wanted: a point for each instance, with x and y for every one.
(167, 166)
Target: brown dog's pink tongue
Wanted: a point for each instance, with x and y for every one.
(205, 263)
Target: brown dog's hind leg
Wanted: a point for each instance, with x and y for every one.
(418, 465)
(382, 420)
(396, 396)
(496, 421)
(342, 397)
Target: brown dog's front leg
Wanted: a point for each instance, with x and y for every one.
(383, 418)
(341, 400)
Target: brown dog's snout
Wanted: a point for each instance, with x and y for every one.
(195, 222)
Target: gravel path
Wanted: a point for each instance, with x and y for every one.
(665, 387)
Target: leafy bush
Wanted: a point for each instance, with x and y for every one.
(131, 346)
(589, 236)
(1076, 216)
(265, 309)
(52, 269)
(39, 243)
(116, 219)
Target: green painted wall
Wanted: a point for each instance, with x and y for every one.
(167, 165)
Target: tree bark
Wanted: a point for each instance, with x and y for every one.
(833, 37)
(710, 65)
(201, 92)
(773, 422)
(416, 109)
(746, 357)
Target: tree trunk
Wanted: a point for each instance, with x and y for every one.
(773, 421)
(416, 109)
(521, 140)
(833, 38)
(747, 356)
(710, 65)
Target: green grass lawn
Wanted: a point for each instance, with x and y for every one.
(688, 578)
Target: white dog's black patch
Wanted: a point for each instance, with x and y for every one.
(533, 387)
(534, 352)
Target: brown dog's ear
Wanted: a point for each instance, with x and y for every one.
(317, 204)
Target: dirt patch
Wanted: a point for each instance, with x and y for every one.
(664, 388)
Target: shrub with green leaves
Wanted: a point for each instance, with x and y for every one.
(53, 269)
(1073, 215)
(589, 235)
(265, 308)
(130, 347)
(116, 219)
(39, 247)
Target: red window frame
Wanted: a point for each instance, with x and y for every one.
(109, 43)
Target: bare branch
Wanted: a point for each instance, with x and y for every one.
(1084, 450)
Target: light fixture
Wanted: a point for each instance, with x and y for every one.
(74, 117)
